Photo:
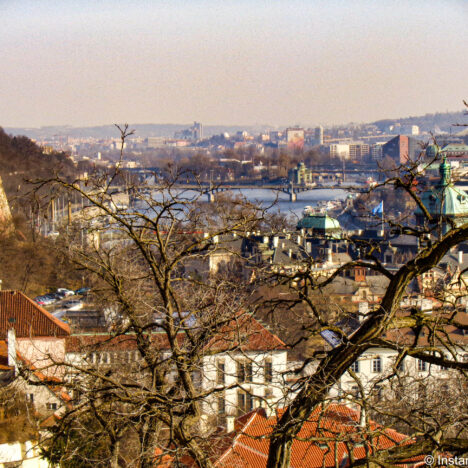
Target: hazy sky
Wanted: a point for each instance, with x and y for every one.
(279, 62)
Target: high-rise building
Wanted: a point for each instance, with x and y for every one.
(376, 151)
(295, 138)
(197, 131)
(319, 135)
(401, 149)
(339, 150)
(358, 151)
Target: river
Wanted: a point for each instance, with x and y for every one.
(265, 197)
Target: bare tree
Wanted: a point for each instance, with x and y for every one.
(139, 387)
(380, 328)
(153, 269)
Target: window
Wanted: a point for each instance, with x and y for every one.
(221, 405)
(422, 365)
(248, 372)
(268, 369)
(104, 358)
(401, 366)
(220, 372)
(30, 397)
(244, 402)
(355, 391)
(355, 366)
(133, 356)
(51, 406)
(377, 364)
(241, 372)
(244, 372)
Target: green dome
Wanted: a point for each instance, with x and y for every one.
(432, 151)
(320, 224)
(444, 200)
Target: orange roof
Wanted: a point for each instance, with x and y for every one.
(162, 460)
(245, 333)
(332, 425)
(4, 356)
(248, 334)
(27, 318)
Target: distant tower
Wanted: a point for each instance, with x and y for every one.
(197, 131)
(319, 135)
(446, 203)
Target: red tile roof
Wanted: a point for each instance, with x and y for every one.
(4, 356)
(27, 318)
(245, 333)
(248, 334)
(251, 445)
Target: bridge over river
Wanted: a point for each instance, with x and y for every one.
(211, 189)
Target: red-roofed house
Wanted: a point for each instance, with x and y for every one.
(335, 432)
(33, 339)
(39, 336)
(258, 367)
(244, 356)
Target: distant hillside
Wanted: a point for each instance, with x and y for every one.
(442, 121)
(21, 159)
(141, 130)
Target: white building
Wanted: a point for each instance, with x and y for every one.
(246, 362)
(339, 150)
(376, 366)
(247, 379)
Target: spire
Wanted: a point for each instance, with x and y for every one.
(445, 172)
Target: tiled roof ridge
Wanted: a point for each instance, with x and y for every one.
(54, 320)
(64, 326)
(255, 413)
(265, 327)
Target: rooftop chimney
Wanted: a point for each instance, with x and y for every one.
(12, 348)
(230, 423)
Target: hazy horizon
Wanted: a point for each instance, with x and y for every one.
(221, 124)
(83, 64)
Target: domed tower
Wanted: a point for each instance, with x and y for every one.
(320, 225)
(431, 151)
(444, 201)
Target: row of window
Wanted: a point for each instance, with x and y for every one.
(377, 367)
(49, 406)
(244, 371)
(121, 357)
(245, 402)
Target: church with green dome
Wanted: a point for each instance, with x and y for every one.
(444, 201)
(320, 225)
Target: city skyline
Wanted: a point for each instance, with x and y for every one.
(239, 63)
